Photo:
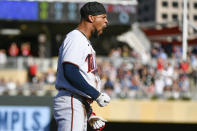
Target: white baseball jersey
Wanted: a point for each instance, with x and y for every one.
(77, 49)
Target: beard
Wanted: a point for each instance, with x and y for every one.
(95, 33)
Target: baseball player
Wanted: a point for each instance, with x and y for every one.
(77, 81)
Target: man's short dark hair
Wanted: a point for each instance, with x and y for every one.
(92, 8)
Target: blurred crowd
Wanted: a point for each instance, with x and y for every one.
(165, 76)
(35, 80)
(123, 74)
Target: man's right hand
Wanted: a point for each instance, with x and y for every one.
(103, 100)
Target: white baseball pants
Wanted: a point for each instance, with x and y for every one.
(69, 112)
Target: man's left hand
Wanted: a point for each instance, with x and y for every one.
(96, 122)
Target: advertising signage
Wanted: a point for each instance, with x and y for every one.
(15, 10)
(61, 12)
(69, 12)
(24, 118)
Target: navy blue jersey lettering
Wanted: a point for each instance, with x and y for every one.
(90, 61)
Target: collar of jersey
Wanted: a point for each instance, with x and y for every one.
(85, 36)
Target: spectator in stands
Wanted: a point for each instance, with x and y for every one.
(145, 58)
(175, 89)
(11, 85)
(13, 49)
(194, 61)
(167, 74)
(160, 64)
(134, 54)
(154, 52)
(125, 51)
(162, 54)
(42, 49)
(126, 82)
(184, 85)
(159, 85)
(145, 75)
(117, 88)
(177, 52)
(150, 89)
(135, 80)
(184, 65)
(2, 85)
(3, 58)
(115, 52)
(109, 87)
(120, 76)
(50, 78)
(25, 49)
(32, 71)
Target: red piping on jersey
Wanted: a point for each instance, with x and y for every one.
(70, 63)
(72, 113)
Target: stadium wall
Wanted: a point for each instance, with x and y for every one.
(130, 114)
(19, 75)
(159, 111)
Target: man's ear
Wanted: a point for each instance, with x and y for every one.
(91, 18)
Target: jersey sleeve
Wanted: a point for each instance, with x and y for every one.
(72, 74)
(73, 51)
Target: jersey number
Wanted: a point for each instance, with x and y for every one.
(90, 61)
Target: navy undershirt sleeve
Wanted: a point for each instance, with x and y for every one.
(72, 74)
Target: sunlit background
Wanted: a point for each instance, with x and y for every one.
(147, 61)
